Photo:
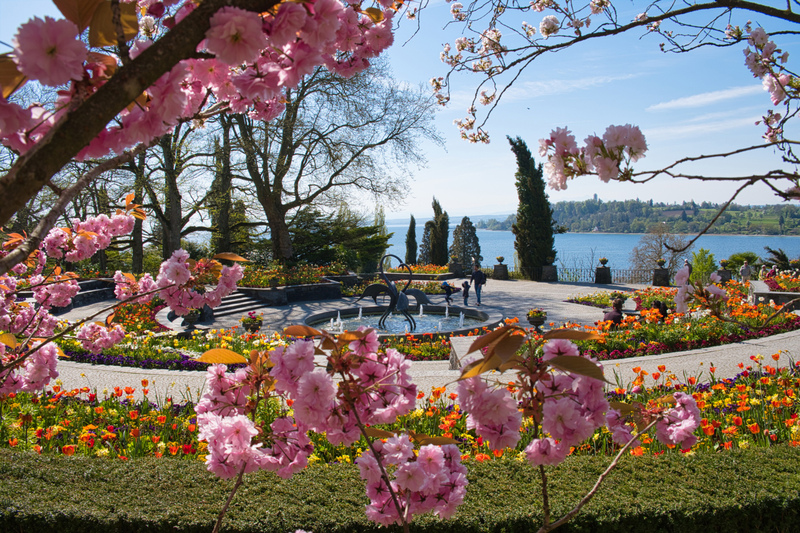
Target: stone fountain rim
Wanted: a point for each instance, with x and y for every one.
(488, 318)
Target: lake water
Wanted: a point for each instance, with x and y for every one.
(582, 250)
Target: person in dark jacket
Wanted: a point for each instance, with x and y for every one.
(615, 315)
(478, 279)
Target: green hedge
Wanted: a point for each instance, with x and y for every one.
(738, 491)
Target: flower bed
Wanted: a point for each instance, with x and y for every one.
(280, 275)
(140, 318)
(757, 408)
(783, 283)
(422, 269)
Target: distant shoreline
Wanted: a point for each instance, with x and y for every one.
(684, 234)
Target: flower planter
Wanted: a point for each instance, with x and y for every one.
(252, 327)
(537, 322)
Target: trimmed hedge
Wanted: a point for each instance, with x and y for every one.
(737, 491)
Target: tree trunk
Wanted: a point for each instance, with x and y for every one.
(172, 223)
(220, 203)
(282, 249)
(137, 238)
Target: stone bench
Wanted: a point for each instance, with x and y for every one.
(458, 350)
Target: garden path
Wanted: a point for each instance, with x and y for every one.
(509, 298)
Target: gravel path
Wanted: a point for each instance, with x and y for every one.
(507, 298)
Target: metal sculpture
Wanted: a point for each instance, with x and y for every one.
(398, 300)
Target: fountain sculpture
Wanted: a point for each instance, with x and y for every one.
(398, 300)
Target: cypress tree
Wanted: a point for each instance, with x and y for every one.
(411, 242)
(533, 230)
(425, 246)
(439, 234)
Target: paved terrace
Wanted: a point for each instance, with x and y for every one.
(507, 298)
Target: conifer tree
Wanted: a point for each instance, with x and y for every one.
(440, 231)
(425, 246)
(411, 242)
(533, 230)
(466, 248)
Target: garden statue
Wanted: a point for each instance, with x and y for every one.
(398, 300)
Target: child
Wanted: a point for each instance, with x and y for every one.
(448, 290)
(465, 288)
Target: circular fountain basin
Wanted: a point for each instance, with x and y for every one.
(437, 320)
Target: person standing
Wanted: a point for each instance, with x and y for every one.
(465, 290)
(745, 272)
(478, 279)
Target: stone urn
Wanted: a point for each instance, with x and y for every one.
(537, 322)
(252, 326)
(500, 270)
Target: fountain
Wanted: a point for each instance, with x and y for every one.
(430, 318)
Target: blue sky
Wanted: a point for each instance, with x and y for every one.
(686, 105)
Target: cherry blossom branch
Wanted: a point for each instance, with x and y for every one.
(34, 240)
(75, 326)
(224, 509)
(384, 474)
(76, 129)
(713, 220)
(589, 495)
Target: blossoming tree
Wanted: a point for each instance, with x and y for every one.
(191, 62)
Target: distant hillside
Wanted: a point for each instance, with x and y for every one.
(636, 216)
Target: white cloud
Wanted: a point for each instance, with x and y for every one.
(704, 99)
(693, 128)
(531, 89)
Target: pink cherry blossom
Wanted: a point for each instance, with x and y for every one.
(235, 36)
(545, 452)
(49, 51)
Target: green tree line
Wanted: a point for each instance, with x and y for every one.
(637, 216)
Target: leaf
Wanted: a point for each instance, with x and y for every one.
(231, 257)
(9, 340)
(668, 399)
(577, 365)
(624, 408)
(437, 441)
(11, 79)
(328, 344)
(110, 319)
(130, 277)
(221, 356)
(486, 340)
(350, 336)
(507, 347)
(479, 367)
(110, 63)
(102, 31)
(374, 13)
(79, 12)
(572, 334)
(301, 331)
(129, 199)
(513, 363)
(376, 433)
